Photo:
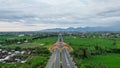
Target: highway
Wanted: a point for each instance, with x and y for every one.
(51, 60)
(60, 59)
(64, 60)
(71, 63)
(67, 60)
(57, 58)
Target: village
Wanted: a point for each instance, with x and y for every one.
(13, 56)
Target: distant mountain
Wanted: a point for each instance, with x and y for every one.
(86, 29)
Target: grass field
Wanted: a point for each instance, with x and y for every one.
(15, 37)
(31, 63)
(46, 41)
(24, 45)
(89, 42)
(74, 41)
(110, 60)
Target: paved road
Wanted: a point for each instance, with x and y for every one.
(62, 56)
(51, 60)
(71, 63)
(57, 58)
(64, 59)
(67, 60)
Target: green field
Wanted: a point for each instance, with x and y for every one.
(109, 60)
(33, 62)
(46, 41)
(15, 37)
(74, 41)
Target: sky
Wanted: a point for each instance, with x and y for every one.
(33, 15)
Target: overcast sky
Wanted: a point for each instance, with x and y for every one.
(27, 15)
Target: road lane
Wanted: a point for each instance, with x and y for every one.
(57, 61)
(71, 63)
(62, 56)
(51, 60)
(64, 60)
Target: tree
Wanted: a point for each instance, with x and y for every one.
(115, 44)
(17, 48)
(101, 65)
(90, 65)
(86, 53)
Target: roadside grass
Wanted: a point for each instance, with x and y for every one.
(73, 41)
(110, 60)
(24, 45)
(46, 41)
(76, 41)
(15, 37)
(37, 61)
(34, 62)
(6, 37)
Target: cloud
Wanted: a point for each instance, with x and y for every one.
(59, 13)
(17, 26)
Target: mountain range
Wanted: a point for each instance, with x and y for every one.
(85, 29)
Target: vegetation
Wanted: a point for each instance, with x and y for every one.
(89, 51)
(107, 60)
(37, 59)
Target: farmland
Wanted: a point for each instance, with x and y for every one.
(103, 55)
(110, 60)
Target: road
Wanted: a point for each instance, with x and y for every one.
(51, 60)
(59, 58)
(67, 60)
